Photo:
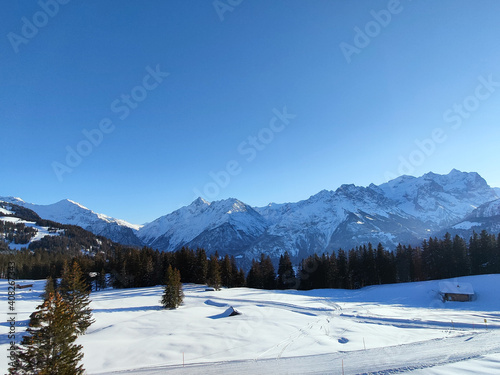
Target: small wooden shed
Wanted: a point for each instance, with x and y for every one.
(455, 291)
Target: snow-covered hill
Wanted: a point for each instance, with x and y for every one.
(383, 329)
(8, 216)
(70, 212)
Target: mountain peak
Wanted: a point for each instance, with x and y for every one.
(69, 202)
(200, 202)
(14, 200)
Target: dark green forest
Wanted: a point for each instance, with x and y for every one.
(109, 264)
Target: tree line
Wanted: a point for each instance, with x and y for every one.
(435, 259)
(124, 267)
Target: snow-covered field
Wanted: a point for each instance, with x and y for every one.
(381, 329)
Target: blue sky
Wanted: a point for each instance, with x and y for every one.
(265, 101)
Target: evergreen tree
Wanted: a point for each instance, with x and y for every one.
(254, 277)
(75, 291)
(173, 294)
(354, 270)
(101, 279)
(239, 279)
(369, 266)
(201, 267)
(403, 264)
(50, 288)
(461, 261)
(48, 348)
(475, 254)
(286, 274)
(342, 270)
(268, 273)
(226, 272)
(386, 272)
(185, 261)
(214, 274)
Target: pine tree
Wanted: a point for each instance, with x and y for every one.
(268, 273)
(101, 279)
(75, 291)
(201, 266)
(286, 274)
(239, 279)
(50, 288)
(49, 347)
(343, 270)
(173, 294)
(226, 272)
(254, 277)
(214, 279)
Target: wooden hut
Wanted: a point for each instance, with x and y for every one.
(455, 291)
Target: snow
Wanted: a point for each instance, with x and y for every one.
(404, 210)
(489, 209)
(3, 211)
(456, 288)
(67, 211)
(497, 191)
(466, 225)
(186, 223)
(424, 197)
(399, 328)
(41, 231)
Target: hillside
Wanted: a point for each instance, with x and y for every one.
(403, 327)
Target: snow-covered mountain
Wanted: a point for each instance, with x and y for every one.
(440, 200)
(227, 225)
(70, 212)
(486, 216)
(404, 210)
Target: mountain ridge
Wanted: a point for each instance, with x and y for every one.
(406, 209)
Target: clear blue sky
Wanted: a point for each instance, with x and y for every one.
(361, 101)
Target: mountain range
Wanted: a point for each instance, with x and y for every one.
(404, 210)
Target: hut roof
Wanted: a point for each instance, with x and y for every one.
(450, 287)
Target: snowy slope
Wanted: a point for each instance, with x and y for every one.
(490, 209)
(4, 211)
(41, 231)
(69, 212)
(400, 327)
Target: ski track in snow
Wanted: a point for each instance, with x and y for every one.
(405, 328)
(387, 360)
